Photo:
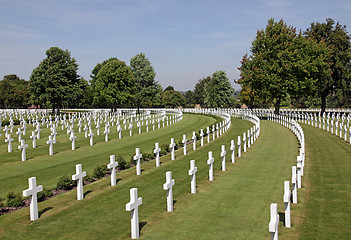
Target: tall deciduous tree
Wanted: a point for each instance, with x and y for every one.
(14, 92)
(338, 39)
(218, 91)
(172, 99)
(148, 92)
(55, 81)
(199, 92)
(114, 85)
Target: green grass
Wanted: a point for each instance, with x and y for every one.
(324, 207)
(236, 204)
(102, 213)
(47, 169)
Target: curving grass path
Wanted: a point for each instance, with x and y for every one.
(324, 207)
(236, 204)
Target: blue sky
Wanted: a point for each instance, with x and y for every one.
(185, 40)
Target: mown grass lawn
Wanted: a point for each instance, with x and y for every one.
(324, 207)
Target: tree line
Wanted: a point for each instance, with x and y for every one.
(55, 84)
(298, 69)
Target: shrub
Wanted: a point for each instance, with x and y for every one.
(165, 147)
(45, 193)
(89, 178)
(197, 136)
(163, 152)
(122, 163)
(14, 199)
(65, 183)
(180, 143)
(148, 156)
(100, 171)
(1, 202)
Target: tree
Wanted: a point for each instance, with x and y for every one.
(199, 92)
(172, 99)
(169, 88)
(218, 91)
(337, 38)
(189, 97)
(283, 65)
(55, 81)
(14, 92)
(148, 92)
(114, 85)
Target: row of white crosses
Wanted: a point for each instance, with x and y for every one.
(296, 177)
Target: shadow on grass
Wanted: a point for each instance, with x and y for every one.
(44, 210)
(141, 225)
(87, 192)
(281, 217)
(118, 179)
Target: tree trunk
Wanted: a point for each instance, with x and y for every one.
(277, 106)
(324, 103)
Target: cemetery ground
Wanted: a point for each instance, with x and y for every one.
(47, 169)
(102, 213)
(324, 208)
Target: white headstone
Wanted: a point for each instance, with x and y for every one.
(273, 224)
(9, 141)
(168, 186)
(91, 135)
(79, 178)
(194, 141)
(23, 147)
(192, 173)
(172, 146)
(210, 163)
(112, 165)
(299, 169)
(286, 199)
(232, 148)
(202, 137)
(133, 206)
(293, 183)
(32, 191)
(51, 145)
(137, 158)
(33, 137)
(223, 153)
(157, 152)
(239, 147)
(184, 143)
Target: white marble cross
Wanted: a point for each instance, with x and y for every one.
(85, 131)
(202, 137)
(54, 133)
(172, 146)
(223, 153)
(33, 137)
(79, 178)
(51, 145)
(194, 140)
(112, 165)
(232, 148)
(192, 173)
(133, 206)
(273, 224)
(293, 183)
(157, 151)
(106, 134)
(168, 186)
(184, 143)
(244, 142)
(130, 129)
(19, 133)
(73, 139)
(286, 199)
(239, 146)
(248, 139)
(299, 169)
(91, 135)
(23, 147)
(32, 191)
(213, 132)
(119, 130)
(210, 163)
(208, 134)
(137, 158)
(9, 141)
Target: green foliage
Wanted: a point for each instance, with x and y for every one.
(55, 82)
(65, 183)
(2, 204)
(189, 98)
(218, 91)
(165, 147)
(169, 88)
(14, 199)
(283, 63)
(45, 193)
(199, 91)
(122, 163)
(100, 171)
(114, 85)
(89, 178)
(172, 99)
(336, 37)
(148, 92)
(180, 143)
(14, 92)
